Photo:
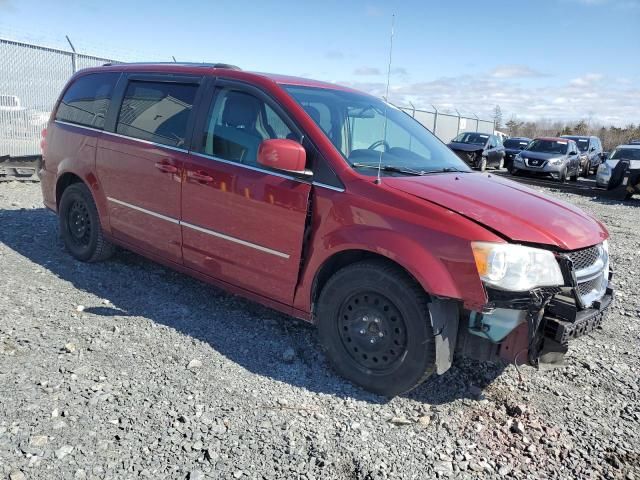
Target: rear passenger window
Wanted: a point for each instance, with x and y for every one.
(86, 101)
(157, 112)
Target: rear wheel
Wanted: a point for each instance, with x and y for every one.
(80, 225)
(373, 322)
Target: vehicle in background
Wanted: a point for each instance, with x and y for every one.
(630, 152)
(550, 156)
(479, 150)
(512, 147)
(287, 191)
(10, 103)
(591, 153)
(501, 135)
(634, 141)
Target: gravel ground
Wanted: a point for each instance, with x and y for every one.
(126, 369)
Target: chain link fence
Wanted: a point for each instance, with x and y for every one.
(32, 76)
(446, 125)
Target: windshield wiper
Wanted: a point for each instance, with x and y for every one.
(389, 168)
(445, 170)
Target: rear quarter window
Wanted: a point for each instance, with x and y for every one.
(157, 112)
(86, 101)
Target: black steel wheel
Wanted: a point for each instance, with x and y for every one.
(372, 330)
(80, 225)
(374, 324)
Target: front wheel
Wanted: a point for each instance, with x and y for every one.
(373, 322)
(80, 225)
(562, 176)
(482, 162)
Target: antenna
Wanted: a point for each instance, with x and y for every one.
(386, 100)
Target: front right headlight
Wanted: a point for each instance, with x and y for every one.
(516, 268)
(518, 158)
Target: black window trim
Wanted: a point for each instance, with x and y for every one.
(119, 91)
(109, 107)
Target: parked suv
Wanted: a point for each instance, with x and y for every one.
(630, 152)
(557, 158)
(325, 204)
(479, 150)
(591, 154)
(512, 147)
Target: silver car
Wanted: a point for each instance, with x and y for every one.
(621, 152)
(549, 156)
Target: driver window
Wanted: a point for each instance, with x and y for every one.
(237, 124)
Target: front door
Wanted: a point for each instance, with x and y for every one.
(140, 164)
(242, 223)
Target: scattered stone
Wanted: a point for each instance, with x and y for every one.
(69, 347)
(424, 420)
(196, 475)
(17, 475)
(400, 421)
(38, 440)
(194, 364)
(80, 308)
(63, 451)
(518, 427)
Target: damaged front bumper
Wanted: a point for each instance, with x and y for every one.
(534, 327)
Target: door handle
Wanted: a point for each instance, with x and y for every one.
(199, 176)
(165, 167)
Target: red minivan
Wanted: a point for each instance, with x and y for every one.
(328, 205)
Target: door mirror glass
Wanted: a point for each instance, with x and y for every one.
(283, 154)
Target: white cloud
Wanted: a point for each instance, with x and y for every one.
(589, 96)
(515, 71)
(366, 71)
(586, 80)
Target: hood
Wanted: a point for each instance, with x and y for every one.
(511, 209)
(465, 147)
(540, 155)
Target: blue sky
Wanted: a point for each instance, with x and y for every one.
(553, 59)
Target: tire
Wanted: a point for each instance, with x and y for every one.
(373, 323)
(562, 177)
(585, 170)
(80, 225)
(574, 177)
(482, 162)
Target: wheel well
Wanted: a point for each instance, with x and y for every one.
(340, 260)
(63, 182)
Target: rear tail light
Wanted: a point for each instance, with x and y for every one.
(43, 145)
(43, 140)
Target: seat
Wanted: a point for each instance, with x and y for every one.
(237, 138)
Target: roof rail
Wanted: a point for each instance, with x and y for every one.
(190, 64)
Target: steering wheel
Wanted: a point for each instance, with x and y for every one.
(377, 143)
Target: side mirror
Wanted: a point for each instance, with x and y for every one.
(283, 154)
(592, 149)
(604, 155)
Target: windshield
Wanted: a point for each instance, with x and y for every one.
(626, 154)
(548, 146)
(355, 123)
(472, 138)
(515, 144)
(583, 143)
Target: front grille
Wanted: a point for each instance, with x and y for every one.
(588, 286)
(585, 258)
(591, 267)
(535, 162)
(464, 156)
